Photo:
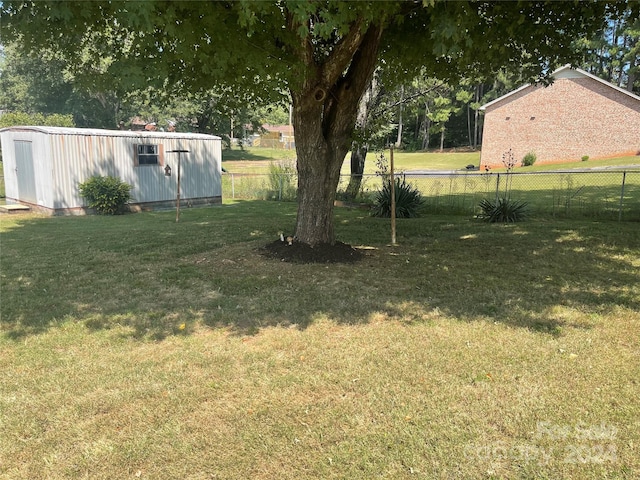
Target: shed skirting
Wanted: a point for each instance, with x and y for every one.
(133, 207)
(171, 204)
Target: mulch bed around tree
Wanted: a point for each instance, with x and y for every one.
(302, 253)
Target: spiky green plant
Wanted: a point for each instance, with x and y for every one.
(408, 199)
(504, 210)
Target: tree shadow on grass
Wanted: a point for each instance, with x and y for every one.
(148, 278)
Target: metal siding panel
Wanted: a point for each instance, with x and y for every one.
(72, 158)
(8, 159)
(199, 177)
(25, 171)
(68, 170)
(41, 174)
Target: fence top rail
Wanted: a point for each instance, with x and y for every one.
(477, 173)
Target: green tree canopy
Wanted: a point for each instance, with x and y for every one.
(322, 53)
(614, 53)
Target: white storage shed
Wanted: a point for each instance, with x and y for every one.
(44, 165)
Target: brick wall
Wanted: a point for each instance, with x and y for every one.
(571, 118)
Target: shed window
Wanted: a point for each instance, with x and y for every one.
(148, 155)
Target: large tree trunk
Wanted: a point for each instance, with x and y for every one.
(325, 105)
(360, 147)
(358, 155)
(320, 156)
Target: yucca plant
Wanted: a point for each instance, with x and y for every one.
(504, 210)
(408, 199)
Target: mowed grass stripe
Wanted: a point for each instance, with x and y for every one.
(135, 347)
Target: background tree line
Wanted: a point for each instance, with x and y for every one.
(424, 113)
(44, 90)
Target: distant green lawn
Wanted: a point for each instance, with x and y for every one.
(257, 160)
(590, 164)
(137, 347)
(256, 154)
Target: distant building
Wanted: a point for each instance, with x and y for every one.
(579, 114)
(276, 136)
(137, 123)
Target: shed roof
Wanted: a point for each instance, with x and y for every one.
(565, 72)
(110, 133)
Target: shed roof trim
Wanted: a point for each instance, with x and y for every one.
(110, 133)
(565, 72)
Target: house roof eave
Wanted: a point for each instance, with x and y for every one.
(554, 74)
(499, 99)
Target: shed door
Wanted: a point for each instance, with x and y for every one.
(25, 171)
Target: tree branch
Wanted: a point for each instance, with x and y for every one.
(335, 65)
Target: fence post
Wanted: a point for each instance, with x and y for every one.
(280, 192)
(497, 187)
(624, 178)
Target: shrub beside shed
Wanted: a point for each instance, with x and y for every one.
(44, 165)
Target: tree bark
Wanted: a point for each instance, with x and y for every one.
(632, 75)
(399, 138)
(360, 147)
(475, 117)
(358, 155)
(325, 105)
(469, 125)
(426, 128)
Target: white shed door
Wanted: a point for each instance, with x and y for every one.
(25, 171)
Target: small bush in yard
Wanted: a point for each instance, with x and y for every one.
(585, 158)
(408, 200)
(504, 210)
(106, 195)
(529, 159)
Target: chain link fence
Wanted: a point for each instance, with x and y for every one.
(611, 194)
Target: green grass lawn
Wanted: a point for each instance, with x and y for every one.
(590, 164)
(256, 161)
(137, 347)
(251, 154)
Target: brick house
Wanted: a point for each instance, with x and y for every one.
(579, 114)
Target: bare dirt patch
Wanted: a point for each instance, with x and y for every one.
(298, 252)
